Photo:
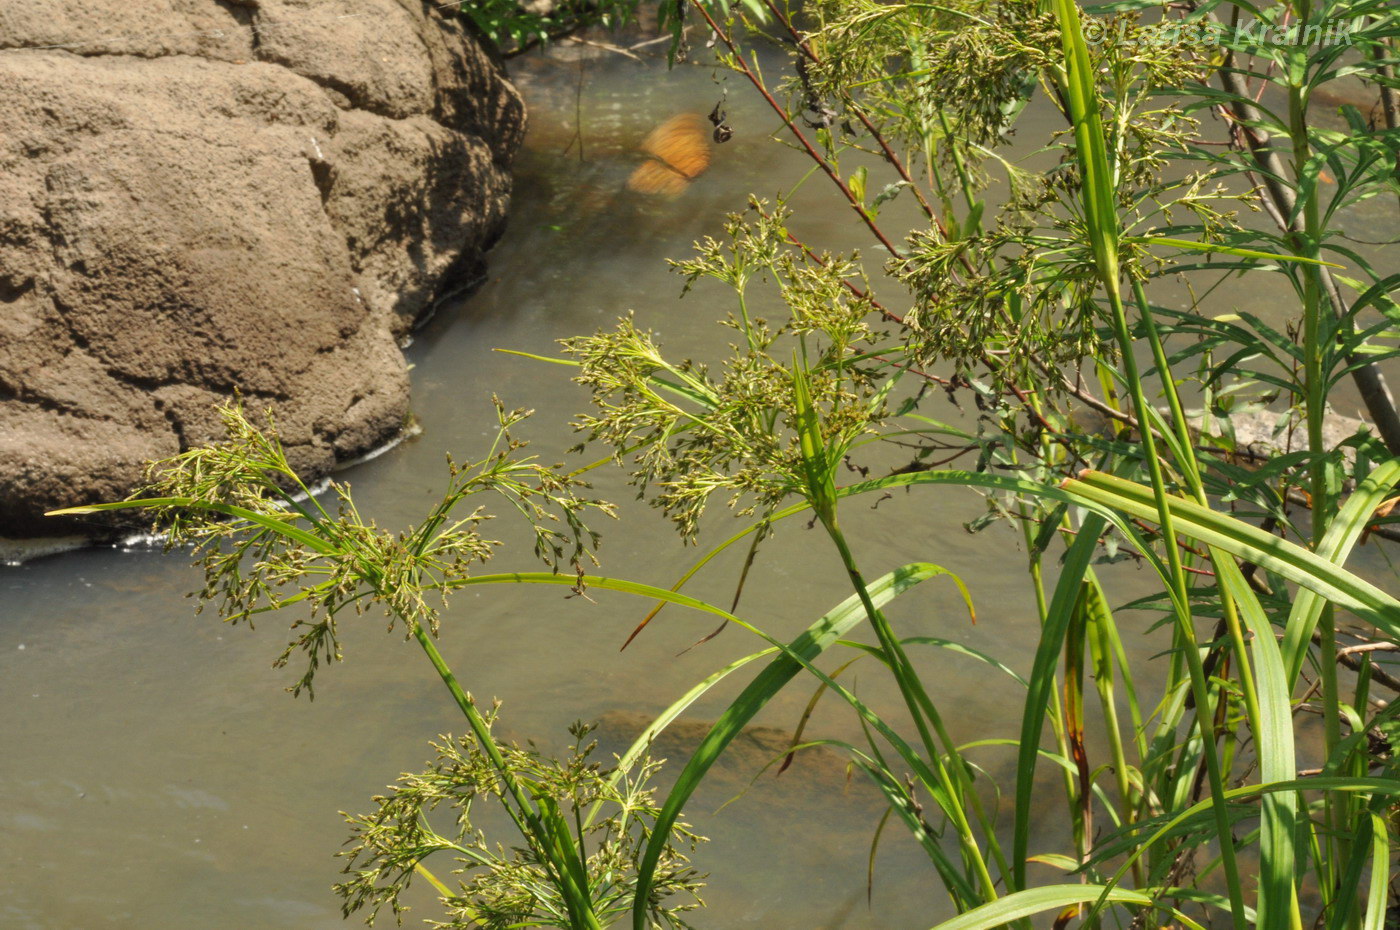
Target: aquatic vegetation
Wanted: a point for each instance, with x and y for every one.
(267, 543)
(520, 888)
(1190, 150)
(1040, 310)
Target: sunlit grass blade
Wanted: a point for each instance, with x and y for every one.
(1042, 678)
(1091, 148)
(553, 360)
(664, 719)
(963, 649)
(1219, 249)
(1134, 842)
(1377, 916)
(1346, 530)
(1273, 740)
(1033, 901)
(276, 525)
(813, 641)
(899, 802)
(1248, 542)
(707, 558)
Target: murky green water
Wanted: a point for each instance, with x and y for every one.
(154, 775)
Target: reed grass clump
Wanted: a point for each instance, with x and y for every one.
(1189, 147)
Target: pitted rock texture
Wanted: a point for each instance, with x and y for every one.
(199, 197)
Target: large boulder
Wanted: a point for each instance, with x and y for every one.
(199, 197)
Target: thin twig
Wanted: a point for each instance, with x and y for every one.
(894, 160)
(797, 133)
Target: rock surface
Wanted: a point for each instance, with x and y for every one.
(199, 197)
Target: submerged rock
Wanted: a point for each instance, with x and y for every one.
(199, 197)
(750, 765)
(1253, 435)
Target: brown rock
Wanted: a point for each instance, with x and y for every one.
(203, 196)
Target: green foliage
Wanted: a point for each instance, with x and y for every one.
(692, 433)
(266, 542)
(513, 888)
(518, 25)
(1036, 308)
(1051, 282)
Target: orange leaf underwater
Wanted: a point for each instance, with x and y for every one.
(678, 152)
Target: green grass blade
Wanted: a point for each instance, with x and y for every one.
(281, 527)
(1131, 843)
(1042, 677)
(1274, 746)
(899, 803)
(962, 649)
(540, 358)
(769, 682)
(1231, 250)
(711, 555)
(666, 717)
(1247, 542)
(1346, 530)
(1091, 147)
(1034, 901)
(1378, 895)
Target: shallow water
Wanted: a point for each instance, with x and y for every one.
(154, 774)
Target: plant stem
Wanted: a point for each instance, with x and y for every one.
(556, 858)
(1186, 630)
(1307, 242)
(921, 708)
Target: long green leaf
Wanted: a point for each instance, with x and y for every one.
(769, 682)
(1047, 654)
(1034, 901)
(1247, 542)
(1274, 746)
(1378, 896)
(282, 527)
(1230, 250)
(1130, 840)
(664, 719)
(1090, 142)
(1345, 531)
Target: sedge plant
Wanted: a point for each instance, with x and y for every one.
(1187, 149)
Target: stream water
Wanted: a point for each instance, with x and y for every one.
(153, 773)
